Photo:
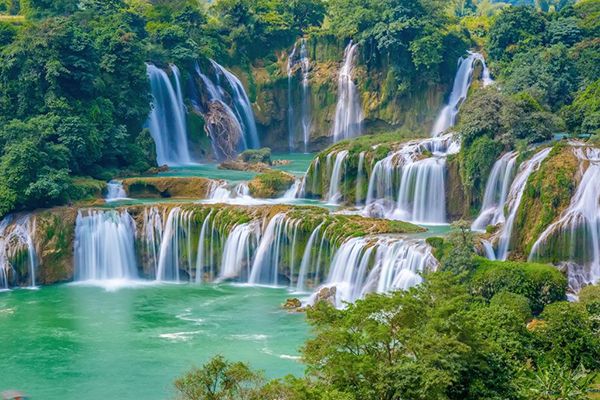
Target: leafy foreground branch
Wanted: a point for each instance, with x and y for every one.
(435, 341)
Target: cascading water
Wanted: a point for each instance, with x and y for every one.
(115, 191)
(176, 247)
(496, 190)
(167, 120)
(105, 246)
(299, 58)
(460, 89)
(348, 113)
(291, 120)
(241, 103)
(217, 94)
(514, 201)
(406, 186)
(575, 237)
(381, 264)
(16, 235)
(337, 173)
(238, 251)
(266, 266)
(360, 173)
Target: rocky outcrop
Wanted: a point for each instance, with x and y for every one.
(167, 187)
(270, 185)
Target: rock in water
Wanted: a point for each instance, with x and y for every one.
(292, 304)
(224, 131)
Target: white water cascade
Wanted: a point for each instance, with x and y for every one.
(115, 191)
(276, 239)
(575, 237)
(496, 190)
(406, 186)
(175, 252)
(348, 112)
(167, 120)
(238, 251)
(377, 264)
(241, 104)
(464, 75)
(337, 173)
(105, 246)
(515, 195)
(298, 60)
(16, 235)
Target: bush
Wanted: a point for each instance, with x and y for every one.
(271, 184)
(255, 156)
(541, 284)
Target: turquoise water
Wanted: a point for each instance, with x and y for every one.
(81, 342)
(298, 165)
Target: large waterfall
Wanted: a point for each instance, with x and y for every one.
(406, 186)
(184, 245)
(348, 112)
(16, 235)
(464, 75)
(304, 123)
(515, 195)
(575, 237)
(496, 190)
(105, 246)
(167, 121)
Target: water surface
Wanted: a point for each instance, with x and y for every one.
(81, 342)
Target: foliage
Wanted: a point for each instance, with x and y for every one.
(439, 341)
(255, 156)
(583, 116)
(460, 258)
(541, 284)
(219, 380)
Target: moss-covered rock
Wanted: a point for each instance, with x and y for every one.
(54, 237)
(163, 187)
(547, 193)
(271, 184)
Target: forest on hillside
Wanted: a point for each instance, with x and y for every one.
(259, 151)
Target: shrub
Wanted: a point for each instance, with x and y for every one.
(541, 284)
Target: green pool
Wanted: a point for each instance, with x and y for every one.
(81, 342)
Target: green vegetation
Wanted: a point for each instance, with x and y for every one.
(271, 184)
(436, 341)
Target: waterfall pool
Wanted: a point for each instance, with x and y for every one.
(74, 341)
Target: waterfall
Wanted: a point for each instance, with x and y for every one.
(294, 190)
(152, 230)
(176, 247)
(339, 166)
(377, 264)
(514, 200)
(241, 103)
(266, 266)
(460, 89)
(306, 110)
(205, 257)
(360, 178)
(307, 258)
(105, 246)
(290, 111)
(406, 186)
(294, 59)
(217, 94)
(575, 237)
(238, 251)
(348, 111)
(115, 191)
(16, 235)
(496, 190)
(167, 121)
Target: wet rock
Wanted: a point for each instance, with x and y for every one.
(326, 294)
(292, 304)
